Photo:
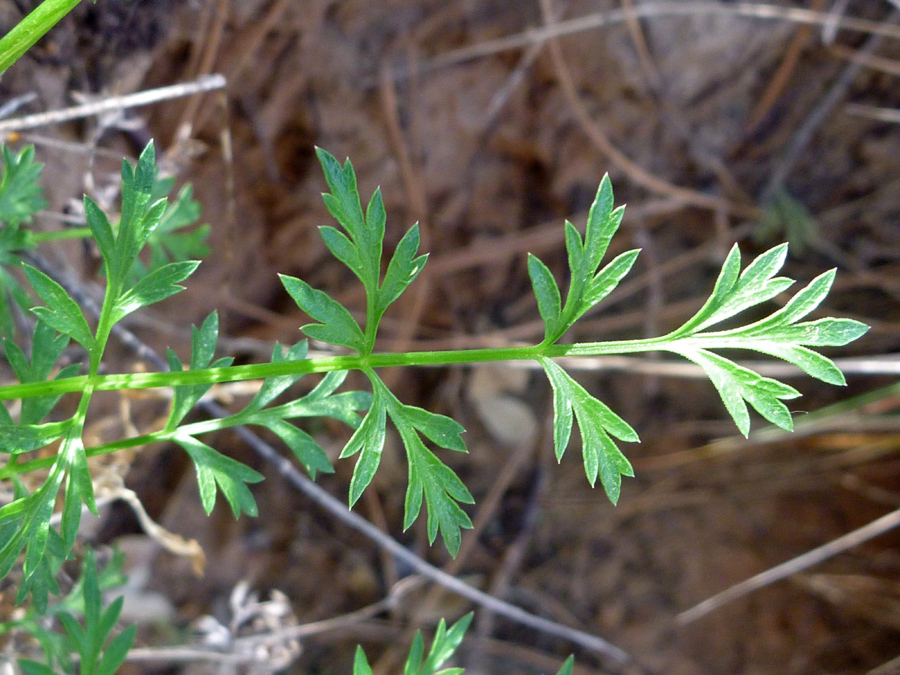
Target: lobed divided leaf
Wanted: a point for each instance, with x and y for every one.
(336, 325)
(62, 313)
(216, 472)
(21, 195)
(587, 285)
(597, 423)
(781, 334)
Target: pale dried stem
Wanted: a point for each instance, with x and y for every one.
(114, 103)
(779, 572)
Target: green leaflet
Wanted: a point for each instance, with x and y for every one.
(146, 220)
(430, 478)
(360, 249)
(336, 325)
(587, 286)
(21, 196)
(443, 646)
(737, 384)
(216, 472)
(154, 287)
(169, 241)
(46, 348)
(305, 449)
(274, 386)
(62, 313)
(734, 293)
(368, 441)
(16, 439)
(597, 423)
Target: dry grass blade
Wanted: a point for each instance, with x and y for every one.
(873, 598)
(115, 103)
(874, 529)
(657, 10)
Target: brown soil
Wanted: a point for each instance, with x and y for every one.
(694, 118)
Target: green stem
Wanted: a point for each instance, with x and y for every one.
(56, 235)
(324, 365)
(31, 29)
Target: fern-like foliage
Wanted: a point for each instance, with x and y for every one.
(34, 436)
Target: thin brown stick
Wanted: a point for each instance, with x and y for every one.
(415, 301)
(878, 63)
(203, 59)
(814, 557)
(873, 112)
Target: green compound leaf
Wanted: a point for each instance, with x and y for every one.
(442, 489)
(62, 313)
(203, 347)
(215, 472)
(360, 249)
(443, 647)
(781, 334)
(597, 423)
(38, 622)
(20, 194)
(336, 326)
(588, 286)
